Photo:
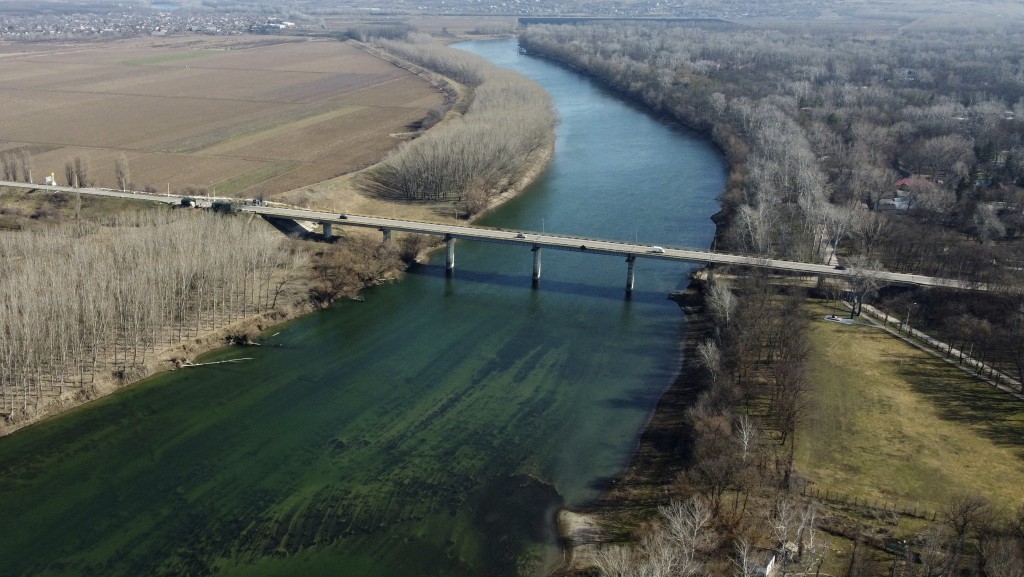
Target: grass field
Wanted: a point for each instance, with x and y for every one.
(243, 115)
(891, 423)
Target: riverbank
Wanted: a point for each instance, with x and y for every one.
(395, 435)
(241, 332)
(325, 196)
(164, 359)
(662, 453)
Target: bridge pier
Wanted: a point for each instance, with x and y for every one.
(328, 230)
(387, 236)
(449, 262)
(536, 264)
(630, 260)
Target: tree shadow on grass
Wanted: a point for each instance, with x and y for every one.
(962, 399)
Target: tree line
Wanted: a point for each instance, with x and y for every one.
(17, 165)
(83, 301)
(735, 504)
(477, 152)
(821, 125)
(91, 304)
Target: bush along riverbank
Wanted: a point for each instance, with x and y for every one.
(704, 460)
(487, 146)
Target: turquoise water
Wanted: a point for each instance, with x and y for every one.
(431, 430)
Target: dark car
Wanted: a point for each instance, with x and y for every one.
(224, 206)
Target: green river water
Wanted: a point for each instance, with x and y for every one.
(432, 430)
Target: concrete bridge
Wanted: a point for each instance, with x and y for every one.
(535, 241)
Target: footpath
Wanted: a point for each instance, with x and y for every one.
(943, 351)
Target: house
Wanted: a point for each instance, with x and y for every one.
(914, 185)
(905, 194)
(893, 203)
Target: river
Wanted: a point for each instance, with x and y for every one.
(431, 430)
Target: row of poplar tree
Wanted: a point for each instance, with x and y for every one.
(86, 303)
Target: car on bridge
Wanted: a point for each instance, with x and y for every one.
(225, 206)
(657, 249)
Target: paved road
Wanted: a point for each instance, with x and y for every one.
(545, 240)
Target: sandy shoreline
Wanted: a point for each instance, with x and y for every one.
(659, 457)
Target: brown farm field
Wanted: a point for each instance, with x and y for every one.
(242, 115)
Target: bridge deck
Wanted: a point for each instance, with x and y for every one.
(535, 239)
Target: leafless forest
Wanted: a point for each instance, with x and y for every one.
(821, 124)
(882, 149)
(476, 153)
(893, 149)
(83, 301)
(740, 508)
(93, 304)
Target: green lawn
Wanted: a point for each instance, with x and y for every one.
(890, 422)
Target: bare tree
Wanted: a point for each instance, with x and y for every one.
(81, 171)
(939, 155)
(688, 524)
(869, 230)
(716, 466)
(742, 559)
(709, 356)
(746, 435)
(721, 300)
(1004, 557)
(616, 561)
(869, 183)
(121, 172)
(863, 280)
(26, 164)
(810, 549)
(93, 304)
(10, 165)
(936, 557)
(785, 523)
(69, 173)
(966, 514)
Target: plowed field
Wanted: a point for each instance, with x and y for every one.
(244, 115)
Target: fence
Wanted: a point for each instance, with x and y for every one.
(946, 351)
(874, 504)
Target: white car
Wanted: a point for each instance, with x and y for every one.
(657, 249)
